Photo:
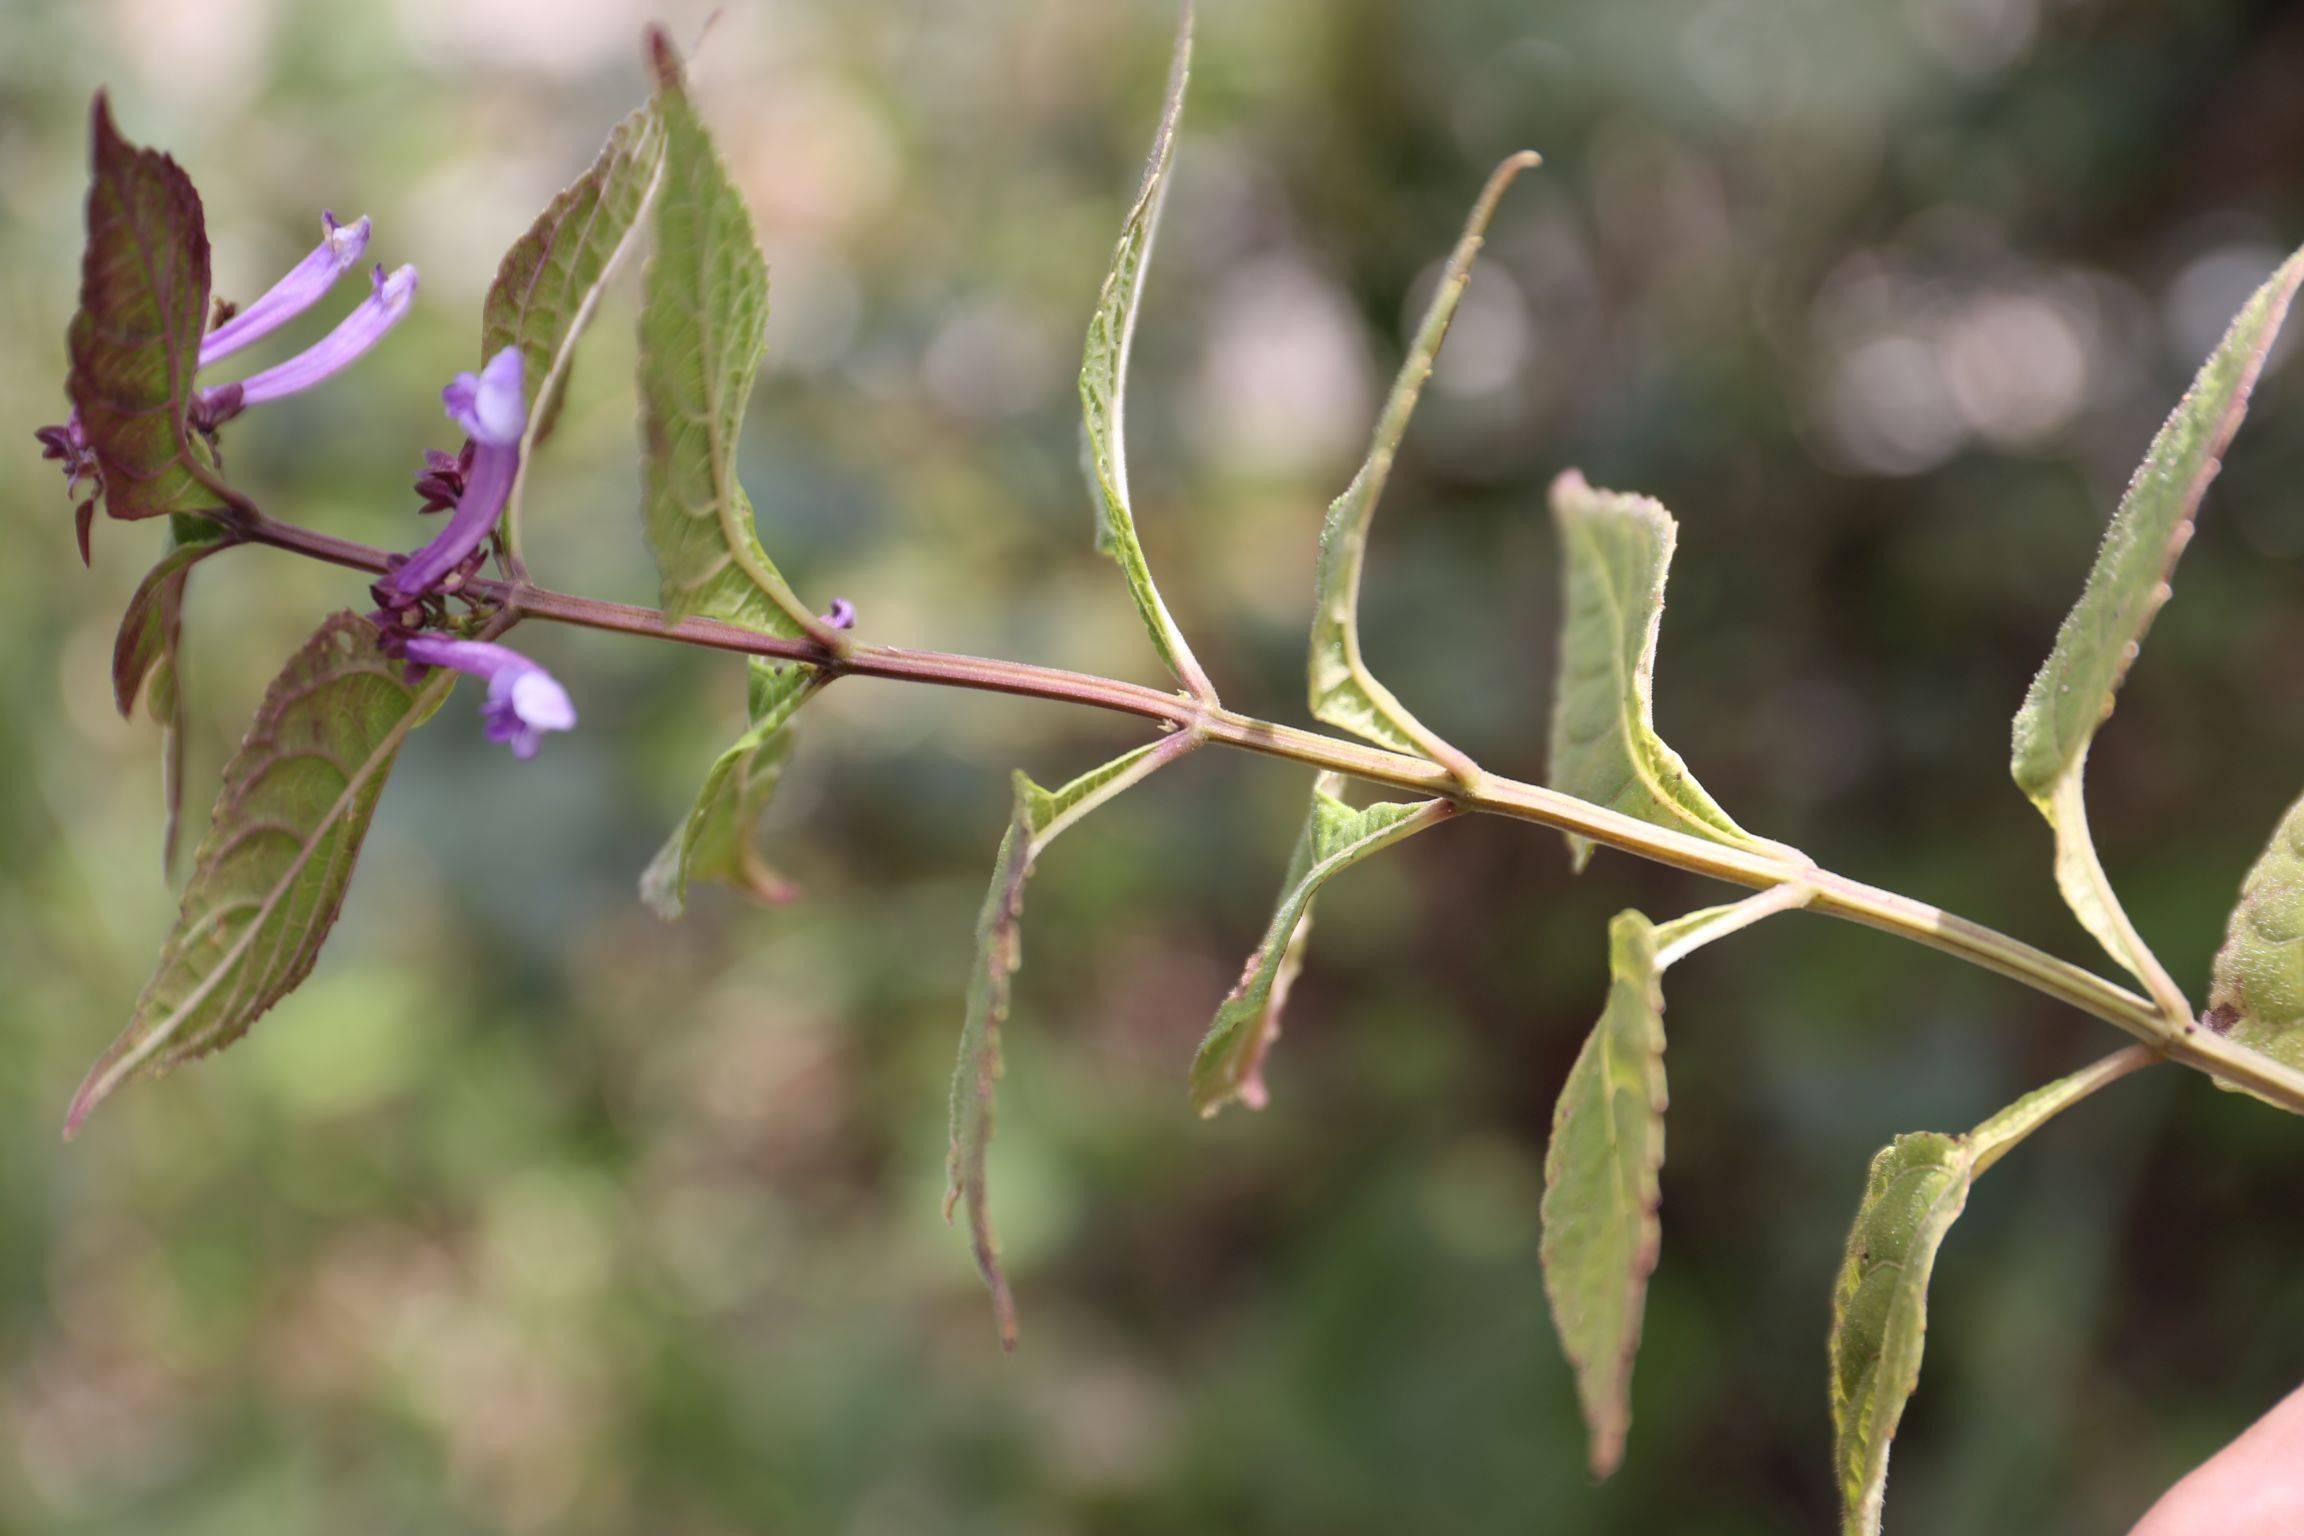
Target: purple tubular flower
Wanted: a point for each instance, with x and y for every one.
(524, 700)
(307, 282)
(843, 614)
(490, 407)
(331, 354)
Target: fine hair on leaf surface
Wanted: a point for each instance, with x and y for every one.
(1917, 1188)
(1615, 553)
(2074, 690)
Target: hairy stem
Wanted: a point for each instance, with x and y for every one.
(2181, 1040)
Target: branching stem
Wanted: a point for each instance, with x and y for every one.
(2187, 1042)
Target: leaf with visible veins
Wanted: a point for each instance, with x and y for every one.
(705, 302)
(135, 342)
(272, 870)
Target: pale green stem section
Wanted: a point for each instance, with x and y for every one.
(2076, 850)
(1683, 935)
(2004, 1132)
(2178, 1038)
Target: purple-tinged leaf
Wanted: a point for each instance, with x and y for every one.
(150, 645)
(271, 873)
(136, 341)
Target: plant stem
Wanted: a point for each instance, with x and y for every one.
(2184, 1041)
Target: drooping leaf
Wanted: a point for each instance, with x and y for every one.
(1602, 1192)
(2074, 690)
(1104, 384)
(1334, 838)
(150, 644)
(1039, 816)
(1917, 1188)
(136, 340)
(1344, 692)
(2257, 992)
(272, 870)
(705, 301)
(718, 839)
(1615, 552)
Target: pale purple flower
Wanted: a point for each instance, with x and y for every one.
(488, 405)
(843, 614)
(330, 355)
(339, 250)
(524, 700)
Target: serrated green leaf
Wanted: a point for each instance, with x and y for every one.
(1615, 552)
(2074, 690)
(149, 645)
(1104, 383)
(718, 840)
(2257, 992)
(272, 870)
(136, 340)
(1917, 1188)
(550, 281)
(1344, 692)
(1602, 1192)
(1039, 816)
(1334, 838)
(705, 302)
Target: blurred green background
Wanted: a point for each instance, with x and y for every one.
(529, 1215)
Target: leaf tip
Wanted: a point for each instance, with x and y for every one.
(94, 1089)
(663, 58)
(102, 131)
(1569, 488)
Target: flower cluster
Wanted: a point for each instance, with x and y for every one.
(340, 249)
(524, 701)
